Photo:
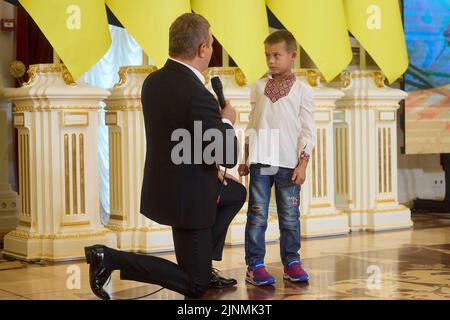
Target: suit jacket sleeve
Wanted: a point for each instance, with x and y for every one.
(204, 108)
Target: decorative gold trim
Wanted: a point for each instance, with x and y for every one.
(24, 223)
(345, 160)
(313, 170)
(364, 98)
(345, 79)
(82, 182)
(381, 120)
(366, 106)
(311, 76)
(379, 161)
(20, 123)
(206, 76)
(385, 200)
(238, 118)
(74, 223)
(24, 171)
(108, 117)
(29, 235)
(319, 205)
(31, 75)
(341, 160)
(322, 106)
(74, 174)
(319, 162)
(66, 174)
(375, 211)
(336, 172)
(385, 225)
(324, 144)
(35, 69)
(389, 225)
(239, 76)
(51, 108)
(123, 71)
(378, 78)
(112, 176)
(84, 124)
(323, 215)
(117, 217)
(384, 160)
(116, 192)
(124, 108)
(389, 161)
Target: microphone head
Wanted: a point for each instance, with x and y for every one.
(216, 84)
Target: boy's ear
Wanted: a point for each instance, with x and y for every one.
(294, 54)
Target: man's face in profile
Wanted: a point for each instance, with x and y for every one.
(206, 51)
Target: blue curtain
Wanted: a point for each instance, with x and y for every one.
(124, 51)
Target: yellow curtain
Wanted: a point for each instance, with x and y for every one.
(148, 21)
(319, 26)
(378, 27)
(77, 30)
(241, 27)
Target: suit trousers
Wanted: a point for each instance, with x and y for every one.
(194, 249)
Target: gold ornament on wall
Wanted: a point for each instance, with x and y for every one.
(378, 78)
(17, 70)
(345, 79)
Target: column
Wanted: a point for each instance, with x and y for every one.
(57, 123)
(366, 153)
(127, 148)
(319, 216)
(9, 199)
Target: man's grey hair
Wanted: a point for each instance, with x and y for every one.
(186, 34)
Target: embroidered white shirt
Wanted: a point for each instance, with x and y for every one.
(279, 131)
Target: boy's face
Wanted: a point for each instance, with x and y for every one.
(278, 58)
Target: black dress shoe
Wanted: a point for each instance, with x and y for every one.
(98, 273)
(219, 282)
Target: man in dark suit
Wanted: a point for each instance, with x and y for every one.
(181, 193)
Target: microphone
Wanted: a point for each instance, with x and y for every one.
(218, 89)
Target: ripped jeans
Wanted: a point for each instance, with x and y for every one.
(262, 178)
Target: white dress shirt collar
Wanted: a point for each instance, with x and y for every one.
(195, 71)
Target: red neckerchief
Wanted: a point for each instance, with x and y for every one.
(274, 93)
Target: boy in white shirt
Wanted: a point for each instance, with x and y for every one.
(280, 137)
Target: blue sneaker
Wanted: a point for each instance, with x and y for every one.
(258, 275)
(295, 272)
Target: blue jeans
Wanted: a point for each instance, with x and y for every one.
(262, 178)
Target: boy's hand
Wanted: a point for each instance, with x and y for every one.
(299, 175)
(243, 170)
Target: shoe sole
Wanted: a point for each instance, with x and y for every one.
(287, 277)
(87, 254)
(267, 283)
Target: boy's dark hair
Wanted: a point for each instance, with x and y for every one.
(280, 36)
